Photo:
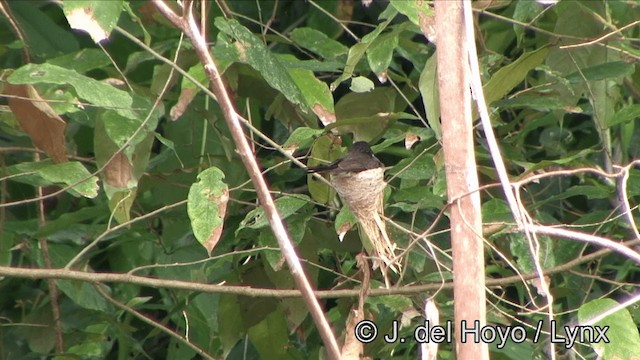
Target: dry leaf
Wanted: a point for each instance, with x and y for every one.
(222, 201)
(117, 172)
(44, 126)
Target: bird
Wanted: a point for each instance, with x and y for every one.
(359, 158)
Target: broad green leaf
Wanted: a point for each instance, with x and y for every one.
(380, 52)
(633, 184)
(416, 198)
(96, 344)
(38, 336)
(366, 115)
(207, 205)
(428, 85)
(415, 10)
(120, 202)
(508, 77)
(538, 102)
(566, 159)
(121, 130)
(287, 205)
(602, 71)
(45, 37)
(83, 60)
(397, 303)
(311, 65)
(520, 249)
(620, 329)
(315, 93)
(316, 17)
(296, 227)
(91, 90)
(361, 84)
(254, 52)
(230, 322)
(81, 293)
(323, 152)
(357, 51)
(345, 220)
(301, 138)
(45, 173)
(271, 337)
(524, 12)
(496, 210)
(97, 18)
(625, 115)
(318, 42)
(70, 219)
(414, 168)
(589, 191)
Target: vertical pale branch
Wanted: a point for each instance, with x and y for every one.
(462, 178)
(186, 23)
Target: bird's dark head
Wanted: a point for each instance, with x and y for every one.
(361, 147)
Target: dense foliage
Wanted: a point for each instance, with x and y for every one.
(128, 168)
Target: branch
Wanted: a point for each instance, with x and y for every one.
(186, 23)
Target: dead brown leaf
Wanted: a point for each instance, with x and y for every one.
(117, 172)
(45, 127)
(222, 201)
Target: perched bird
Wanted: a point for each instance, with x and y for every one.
(359, 180)
(358, 159)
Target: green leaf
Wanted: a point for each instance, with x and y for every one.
(413, 9)
(428, 85)
(97, 18)
(602, 71)
(621, 331)
(45, 37)
(357, 52)
(301, 138)
(287, 205)
(82, 61)
(70, 219)
(324, 151)
(589, 191)
(537, 102)
(366, 115)
(91, 90)
(270, 337)
(380, 53)
(415, 168)
(45, 173)
(253, 52)
(625, 115)
(318, 43)
(230, 322)
(397, 303)
(345, 220)
(496, 210)
(508, 77)
(361, 84)
(520, 249)
(315, 93)
(207, 205)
